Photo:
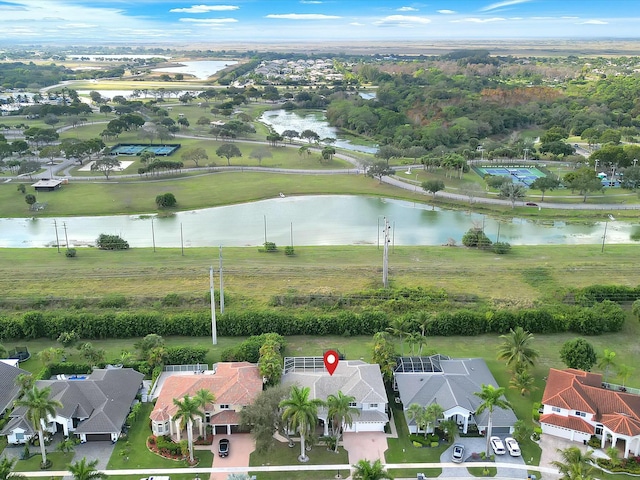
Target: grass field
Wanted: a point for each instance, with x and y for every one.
(526, 276)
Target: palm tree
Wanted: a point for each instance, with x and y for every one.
(516, 349)
(399, 327)
(492, 398)
(575, 465)
(82, 470)
(365, 470)
(6, 470)
(188, 409)
(432, 413)
(25, 381)
(39, 408)
(341, 413)
(624, 372)
(204, 397)
(606, 362)
(523, 382)
(415, 412)
(302, 412)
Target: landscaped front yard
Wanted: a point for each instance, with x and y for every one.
(132, 452)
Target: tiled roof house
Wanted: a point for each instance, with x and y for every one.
(577, 406)
(234, 384)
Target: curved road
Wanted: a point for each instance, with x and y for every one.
(66, 165)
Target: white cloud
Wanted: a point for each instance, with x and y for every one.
(209, 21)
(402, 21)
(447, 12)
(479, 20)
(570, 18)
(506, 3)
(302, 16)
(593, 22)
(311, 2)
(205, 9)
(73, 26)
(357, 24)
(407, 9)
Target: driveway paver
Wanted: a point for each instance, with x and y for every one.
(240, 448)
(365, 446)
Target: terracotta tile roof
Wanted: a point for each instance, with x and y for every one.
(234, 383)
(160, 415)
(577, 390)
(621, 424)
(573, 423)
(226, 417)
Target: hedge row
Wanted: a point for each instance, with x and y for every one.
(602, 317)
(598, 293)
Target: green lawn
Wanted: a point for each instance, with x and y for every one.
(59, 460)
(132, 452)
(480, 471)
(402, 450)
(282, 454)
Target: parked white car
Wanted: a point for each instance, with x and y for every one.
(512, 446)
(497, 445)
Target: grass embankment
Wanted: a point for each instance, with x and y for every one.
(528, 274)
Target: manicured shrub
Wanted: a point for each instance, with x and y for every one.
(111, 242)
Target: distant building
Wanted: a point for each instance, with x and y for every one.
(47, 185)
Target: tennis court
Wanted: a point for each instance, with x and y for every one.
(519, 174)
(136, 149)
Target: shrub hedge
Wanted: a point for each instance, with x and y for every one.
(606, 316)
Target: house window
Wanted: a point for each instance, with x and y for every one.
(555, 409)
(224, 407)
(598, 429)
(373, 405)
(160, 427)
(580, 414)
(353, 404)
(19, 436)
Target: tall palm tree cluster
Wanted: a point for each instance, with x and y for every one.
(427, 417)
(300, 413)
(189, 409)
(518, 353)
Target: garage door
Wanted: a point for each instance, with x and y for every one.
(500, 431)
(220, 429)
(98, 437)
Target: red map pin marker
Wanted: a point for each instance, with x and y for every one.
(331, 361)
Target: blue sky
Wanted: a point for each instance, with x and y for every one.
(225, 21)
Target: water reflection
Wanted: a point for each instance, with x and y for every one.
(281, 120)
(315, 220)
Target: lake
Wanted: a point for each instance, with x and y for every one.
(201, 69)
(281, 120)
(311, 220)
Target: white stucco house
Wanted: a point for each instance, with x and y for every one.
(355, 378)
(577, 406)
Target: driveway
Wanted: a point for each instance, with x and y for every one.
(477, 444)
(100, 451)
(365, 446)
(241, 446)
(550, 446)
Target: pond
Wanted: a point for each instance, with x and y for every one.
(281, 120)
(310, 220)
(201, 69)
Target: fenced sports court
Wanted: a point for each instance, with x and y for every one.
(519, 174)
(137, 149)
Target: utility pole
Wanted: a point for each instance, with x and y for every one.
(221, 285)
(66, 239)
(214, 332)
(55, 224)
(385, 254)
(153, 236)
(265, 230)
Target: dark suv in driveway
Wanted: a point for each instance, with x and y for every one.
(223, 447)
